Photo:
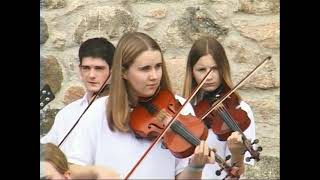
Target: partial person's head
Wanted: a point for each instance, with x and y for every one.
(204, 54)
(95, 56)
(138, 72)
(53, 162)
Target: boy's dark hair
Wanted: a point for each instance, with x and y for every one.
(97, 48)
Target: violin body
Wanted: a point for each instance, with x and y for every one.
(148, 121)
(180, 147)
(215, 119)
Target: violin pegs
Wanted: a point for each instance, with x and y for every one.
(218, 172)
(228, 157)
(259, 148)
(248, 159)
(233, 164)
(256, 141)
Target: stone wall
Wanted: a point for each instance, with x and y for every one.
(248, 29)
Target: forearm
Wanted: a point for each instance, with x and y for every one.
(238, 160)
(92, 172)
(82, 172)
(190, 173)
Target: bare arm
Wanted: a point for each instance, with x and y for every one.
(201, 156)
(236, 148)
(188, 173)
(238, 159)
(92, 172)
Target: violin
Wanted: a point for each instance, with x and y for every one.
(228, 117)
(221, 120)
(148, 120)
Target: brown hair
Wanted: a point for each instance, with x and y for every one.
(52, 154)
(202, 47)
(129, 47)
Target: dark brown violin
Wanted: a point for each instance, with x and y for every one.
(220, 110)
(221, 120)
(227, 118)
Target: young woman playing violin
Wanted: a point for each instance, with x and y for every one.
(206, 54)
(106, 136)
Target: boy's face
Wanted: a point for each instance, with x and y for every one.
(93, 73)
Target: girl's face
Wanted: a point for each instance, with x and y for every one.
(144, 74)
(201, 68)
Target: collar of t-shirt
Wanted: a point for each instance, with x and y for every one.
(84, 100)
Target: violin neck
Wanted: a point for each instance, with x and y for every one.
(179, 128)
(231, 123)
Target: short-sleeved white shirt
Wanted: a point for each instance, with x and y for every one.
(96, 144)
(209, 171)
(63, 122)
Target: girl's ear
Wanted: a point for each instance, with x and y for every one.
(80, 72)
(125, 74)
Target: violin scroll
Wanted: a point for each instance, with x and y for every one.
(231, 170)
(255, 154)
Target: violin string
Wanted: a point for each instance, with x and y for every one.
(182, 131)
(248, 145)
(236, 126)
(195, 141)
(176, 126)
(226, 119)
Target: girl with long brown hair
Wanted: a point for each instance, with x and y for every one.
(207, 53)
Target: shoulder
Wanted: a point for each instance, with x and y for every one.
(100, 102)
(245, 106)
(180, 98)
(188, 108)
(94, 117)
(71, 106)
(97, 108)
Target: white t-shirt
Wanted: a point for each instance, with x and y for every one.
(96, 144)
(209, 171)
(63, 122)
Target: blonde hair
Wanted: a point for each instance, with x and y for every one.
(52, 154)
(129, 47)
(202, 47)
